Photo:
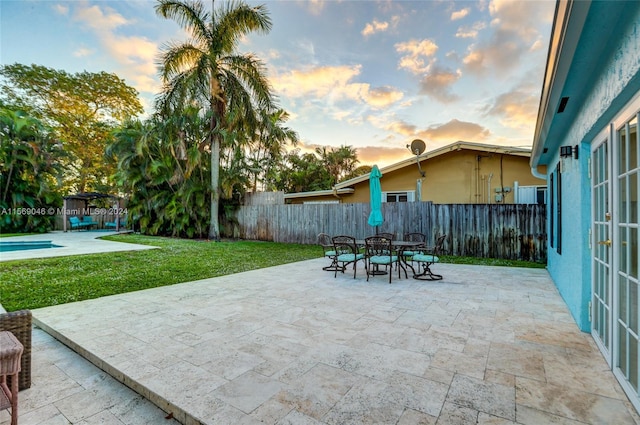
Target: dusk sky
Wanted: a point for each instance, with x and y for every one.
(370, 74)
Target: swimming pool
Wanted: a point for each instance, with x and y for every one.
(24, 245)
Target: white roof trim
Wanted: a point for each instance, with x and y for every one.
(330, 192)
(459, 145)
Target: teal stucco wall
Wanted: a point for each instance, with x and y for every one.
(571, 268)
(601, 94)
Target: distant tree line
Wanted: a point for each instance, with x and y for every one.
(216, 133)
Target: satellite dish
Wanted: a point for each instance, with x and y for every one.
(417, 147)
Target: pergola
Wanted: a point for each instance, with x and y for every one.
(88, 197)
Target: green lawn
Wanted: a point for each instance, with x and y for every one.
(35, 283)
(49, 281)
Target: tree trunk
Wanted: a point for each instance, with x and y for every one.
(214, 227)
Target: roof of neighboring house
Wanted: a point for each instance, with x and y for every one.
(345, 186)
(329, 192)
(457, 146)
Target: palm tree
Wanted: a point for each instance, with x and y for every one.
(267, 147)
(207, 70)
(340, 162)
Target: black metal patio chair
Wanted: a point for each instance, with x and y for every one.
(347, 252)
(379, 251)
(427, 259)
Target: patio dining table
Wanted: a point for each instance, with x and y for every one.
(400, 246)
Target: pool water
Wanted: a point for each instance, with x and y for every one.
(24, 245)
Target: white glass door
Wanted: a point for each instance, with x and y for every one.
(626, 251)
(601, 326)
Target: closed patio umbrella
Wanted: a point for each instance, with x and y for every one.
(375, 192)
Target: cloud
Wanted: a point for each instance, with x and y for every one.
(102, 21)
(437, 84)
(383, 96)
(518, 108)
(455, 130)
(333, 83)
(460, 14)
(382, 156)
(61, 9)
(314, 7)
(415, 52)
(402, 128)
(83, 52)
(472, 31)
(374, 27)
(315, 81)
(136, 55)
(521, 18)
(515, 27)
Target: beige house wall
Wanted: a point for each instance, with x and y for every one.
(456, 177)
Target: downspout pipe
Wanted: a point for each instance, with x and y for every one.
(335, 193)
(538, 174)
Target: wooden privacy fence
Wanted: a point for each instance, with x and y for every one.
(509, 231)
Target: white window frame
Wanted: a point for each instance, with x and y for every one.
(537, 189)
(410, 194)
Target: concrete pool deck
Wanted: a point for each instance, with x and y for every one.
(70, 243)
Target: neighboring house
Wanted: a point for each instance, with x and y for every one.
(586, 138)
(460, 173)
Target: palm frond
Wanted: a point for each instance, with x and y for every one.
(236, 19)
(190, 15)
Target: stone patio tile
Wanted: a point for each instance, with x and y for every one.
(212, 410)
(416, 393)
(233, 365)
(568, 370)
(556, 334)
(296, 418)
(380, 361)
(47, 414)
(494, 399)
(103, 417)
(248, 391)
(271, 411)
(516, 361)
(485, 419)
(530, 416)
(366, 403)
(194, 382)
(572, 404)
(454, 414)
(463, 363)
(415, 417)
(85, 404)
(439, 337)
(315, 392)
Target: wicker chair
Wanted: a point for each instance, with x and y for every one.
(19, 324)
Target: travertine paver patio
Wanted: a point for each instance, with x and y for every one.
(293, 345)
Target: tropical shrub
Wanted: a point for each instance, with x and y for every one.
(30, 174)
(160, 167)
